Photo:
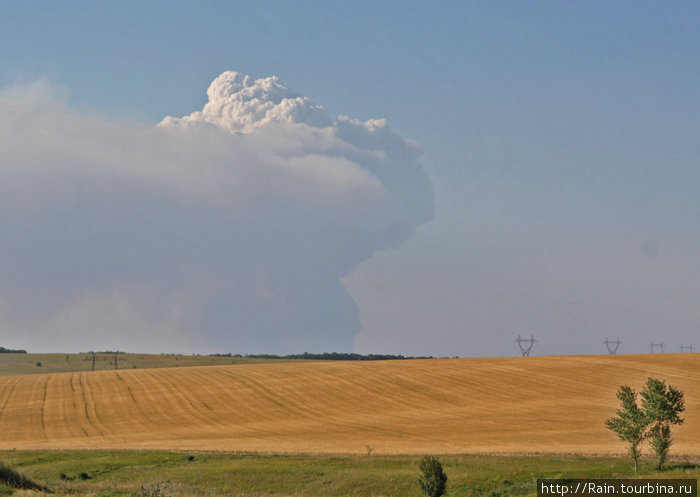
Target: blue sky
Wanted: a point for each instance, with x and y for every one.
(561, 140)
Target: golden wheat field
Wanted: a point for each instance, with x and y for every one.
(505, 405)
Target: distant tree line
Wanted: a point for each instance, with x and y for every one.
(3, 350)
(106, 352)
(326, 356)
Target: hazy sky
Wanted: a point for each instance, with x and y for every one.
(420, 178)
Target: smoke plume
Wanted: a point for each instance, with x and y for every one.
(225, 230)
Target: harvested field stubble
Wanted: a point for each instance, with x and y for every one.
(504, 405)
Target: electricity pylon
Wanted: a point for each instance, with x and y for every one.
(654, 346)
(612, 346)
(525, 345)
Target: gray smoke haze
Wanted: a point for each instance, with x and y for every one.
(226, 230)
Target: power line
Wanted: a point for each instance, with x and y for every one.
(688, 348)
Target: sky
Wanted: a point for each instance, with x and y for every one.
(411, 178)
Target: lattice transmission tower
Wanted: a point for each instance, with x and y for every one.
(525, 345)
(612, 346)
(654, 346)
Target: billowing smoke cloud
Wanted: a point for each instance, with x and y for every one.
(226, 230)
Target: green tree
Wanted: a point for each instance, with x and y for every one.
(432, 479)
(662, 405)
(630, 424)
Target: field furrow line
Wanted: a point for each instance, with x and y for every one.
(293, 396)
(157, 406)
(143, 417)
(244, 409)
(310, 395)
(61, 406)
(280, 404)
(24, 413)
(264, 418)
(89, 405)
(12, 384)
(379, 390)
(76, 409)
(248, 396)
(186, 396)
(5, 385)
(116, 410)
(43, 407)
(219, 399)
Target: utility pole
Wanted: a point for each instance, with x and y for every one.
(689, 348)
(113, 359)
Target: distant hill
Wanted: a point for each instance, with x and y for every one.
(504, 405)
(20, 362)
(15, 364)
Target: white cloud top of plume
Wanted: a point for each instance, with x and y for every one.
(225, 230)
